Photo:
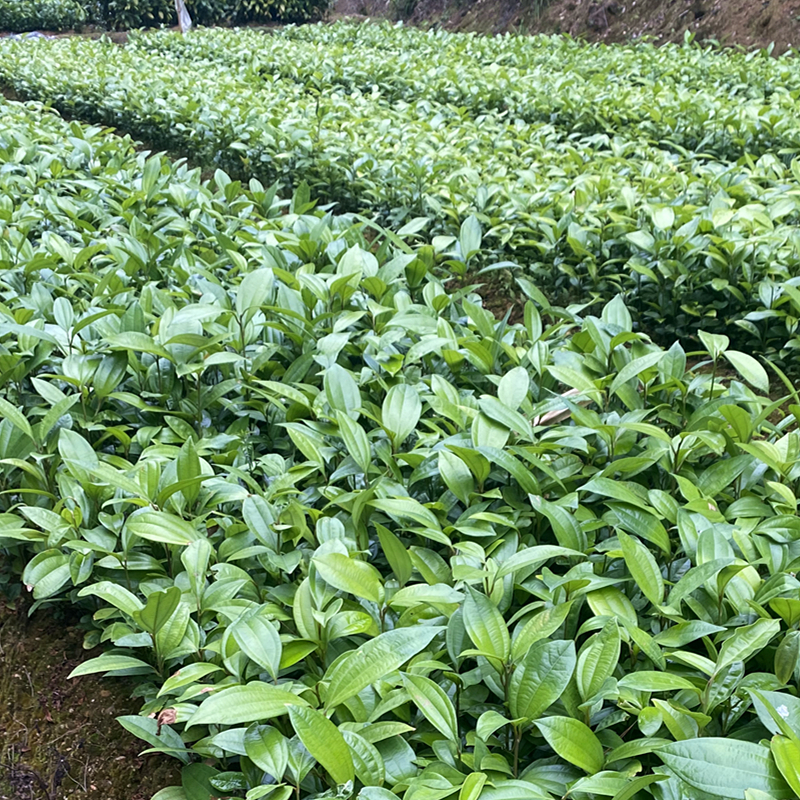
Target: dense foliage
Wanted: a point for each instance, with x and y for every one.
(356, 536)
(19, 16)
(666, 175)
(131, 14)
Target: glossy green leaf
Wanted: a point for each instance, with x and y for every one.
(323, 740)
(725, 767)
(249, 703)
(573, 741)
(486, 626)
(541, 678)
(434, 704)
(374, 660)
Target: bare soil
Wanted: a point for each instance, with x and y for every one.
(747, 23)
(59, 739)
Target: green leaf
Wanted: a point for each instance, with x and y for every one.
(191, 673)
(249, 703)
(747, 641)
(456, 475)
(715, 344)
(108, 662)
(534, 557)
(649, 681)
(15, 417)
(469, 239)
(598, 660)
(117, 596)
(787, 758)
(685, 632)
(138, 343)
(437, 594)
(196, 782)
(259, 640)
(538, 627)
(350, 575)
(642, 567)
(401, 411)
(514, 387)
(342, 391)
(396, 554)
(540, 679)
(267, 747)
(635, 368)
(159, 526)
(367, 759)
(160, 606)
(163, 740)
(170, 793)
(323, 740)
(374, 660)
(749, 369)
(486, 626)
(254, 290)
(637, 784)
(434, 704)
(355, 440)
(573, 741)
(473, 786)
(725, 767)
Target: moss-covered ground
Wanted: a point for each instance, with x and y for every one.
(59, 739)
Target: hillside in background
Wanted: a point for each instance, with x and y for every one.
(750, 23)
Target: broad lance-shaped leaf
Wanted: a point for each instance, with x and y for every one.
(160, 606)
(725, 767)
(259, 640)
(367, 759)
(323, 740)
(786, 753)
(747, 641)
(534, 557)
(651, 681)
(541, 679)
(401, 411)
(778, 712)
(456, 475)
(159, 526)
(377, 658)
(486, 626)
(513, 387)
(749, 369)
(196, 779)
(267, 747)
(434, 704)
(598, 660)
(186, 675)
(643, 568)
(573, 741)
(355, 440)
(342, 391)
(164, 740)
(694, 579)
(396, 554)
(350, 575)
(117, 596)
(109, 662)
(15, 417)
(539, 626)
(252, 702)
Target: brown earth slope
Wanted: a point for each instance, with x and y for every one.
(749, 23)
